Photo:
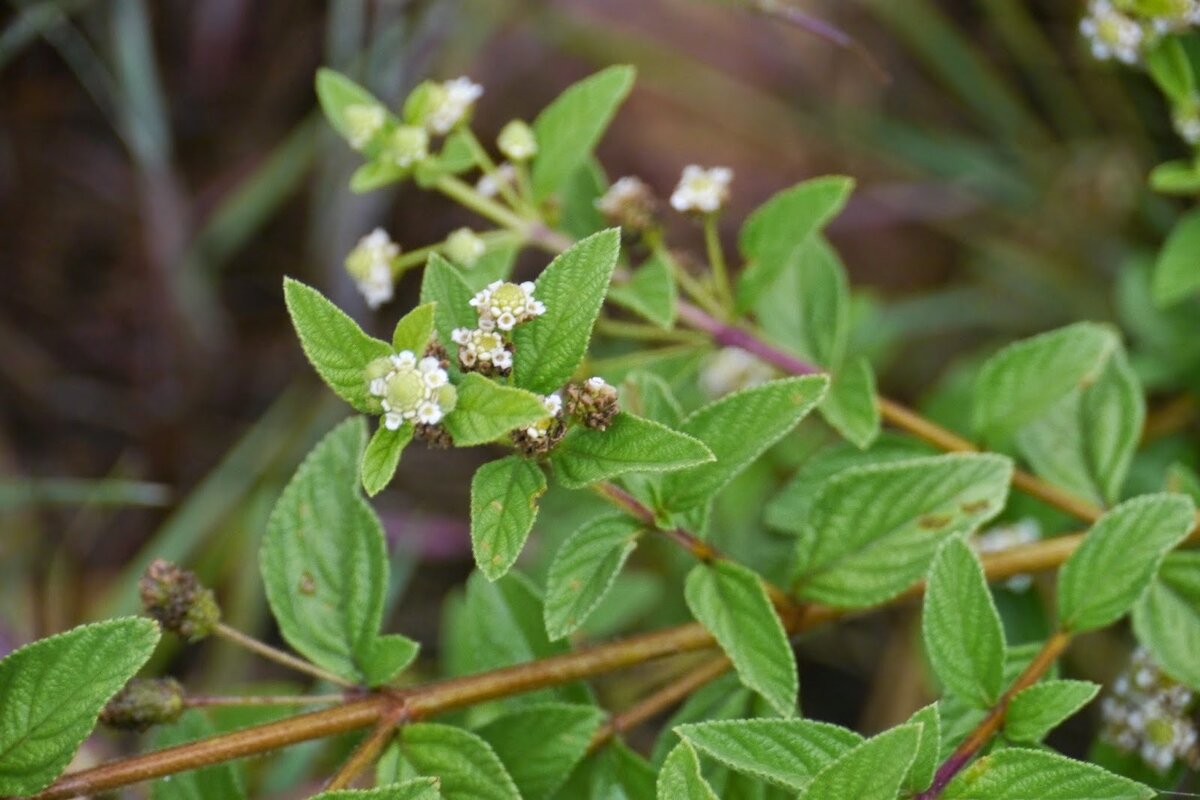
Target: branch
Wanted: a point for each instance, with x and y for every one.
(368, 749)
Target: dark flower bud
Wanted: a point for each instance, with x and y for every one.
(175, 597)
(144, 702)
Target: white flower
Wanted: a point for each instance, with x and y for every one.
(429, 413)
(1005, 537)
(1112, 34)
(702, 190)
(363, 121)
(553, 405)
(392, 420)
(507, 304)
(490, 185)
(481, 346)
(370, 265)
(731, 369)
(464, 247)
(457, 98)
(413, 390)
(596, 382)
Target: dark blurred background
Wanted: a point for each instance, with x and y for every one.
(162, 166)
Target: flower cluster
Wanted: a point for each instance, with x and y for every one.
(501, 307)
(464, 247)
(517, 141)
(411, 390)
(483, 349)
(450, 103)
(628, 203)
(1121, 29)
(540, 437)
(594, 402)
(1004, 537)
(702, 191)
(1149, 713)
(370, 265)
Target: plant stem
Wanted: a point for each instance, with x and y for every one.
(992, 723)
(368, 749)
(683, 278)
(646, 333)
(716, 261)
(207, 701)
(467, 196)
(278, 656)
(489, 166)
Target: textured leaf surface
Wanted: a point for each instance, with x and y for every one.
(786, 752)
(465, 765)
(486, 411)
(1120, 554)
(1019, 774)
(568, 129)
(925, 763)
(52, 691)
(417, 789)
(552, 346)
(873, 530)
(443, 285)
(614, 773)
(737, 429)
(1086, 441)
(808, 307)
(961, 626)
(680, 778)
(649, 396)
(1022, 381)
(337, 348)
(732, 604)
(584, 569)
(504, 504)
(1167, 618)
(1040, 708)
(650, 292)
(631, 444)
(873, 770)
(1177, 272)
(850, 405)
(541, 744)
(215, 782)
(414, 329)
(382, 456)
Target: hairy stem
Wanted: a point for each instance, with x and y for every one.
(368, 749)
(278, 656)
(209, 701)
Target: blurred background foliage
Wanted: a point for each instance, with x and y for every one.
(162, 166)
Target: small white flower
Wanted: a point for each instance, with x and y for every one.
(702, 190)
(1112, 34)
(363, 121)
(429, 413)
(405, 359)
(370, 265)
(502, 360)
(731, 369)
(553, 404)
(392, 421)
(507, 305)
(455, 102)
(378, 387)
(490, 185)
(596, 382)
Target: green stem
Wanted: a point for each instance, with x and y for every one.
(716, 261)
(647, 333)
(278, 656)
(690, 286)
(480, 154)
(466, 196)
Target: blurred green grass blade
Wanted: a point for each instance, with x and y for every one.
(32, 492)
(144, 110)
(32, 21)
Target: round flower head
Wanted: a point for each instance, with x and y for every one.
(408, 145)
(452, 105)
(507, 304)
(1149, 713)
(517, 142)
(464, 247)
(482, 350)
(370, 265)
(410, 389)
(628, 203)
(1111, 33)
(594, 402)
(731, 369)
(363, 122)
(490, 185)
(702, 190)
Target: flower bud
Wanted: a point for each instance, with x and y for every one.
(594, 402)
(629, 203)
(517, 141)
(363, 122)
(464, 247)
(143, 703)
(407, 145)
(175, 597)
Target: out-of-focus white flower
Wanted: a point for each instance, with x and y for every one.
(517, 141)
(370, 265)
(731, 369)
(1005, 537)
(702, 190)
(491, 184)
(1149, 713)
(464, 247)
(363, 122)
(629, 203)
(508, 304)
(452, 105)
(1111, 33)
(408, 145)
(411, 390)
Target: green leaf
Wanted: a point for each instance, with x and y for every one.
(779, 226)
(1176, 177)
(1183, 479)
(336, 93)
(680, 778)
(323, 560)
(961, 626)
(443, 285)
(738, 428)
(385, 657)
(382, 456)
(1177, 271)
(375, 175)
(572, 288)
(541, 744)
(650, 292)
(808, 305)
(1167, 618)
(415, 329)
(872, 530)
(614, 773)
(1168, 64)
(731, 602)
(874, 770)
(925, 763)
(486, 411)
(214, 782)
(568, 129)
(584, 569)
(1025, 379)
(1085, 442)
(649, 396)
(850, 405)
(786, 752)
(1021, 774)
(1107, 573)
(504, 497)
(631, 444)
(1039, 709)
(465, 766)
(580, 218)
(52, 691)
(494, 265)
(417, 789)
(336, 346)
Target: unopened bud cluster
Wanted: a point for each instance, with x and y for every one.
(593, 402)
(411, 390)
(541, 437)
(369, 264)
(175, 597)
(1149, 713)
(143, 703)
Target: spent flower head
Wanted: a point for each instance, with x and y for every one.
(594, 402)
(702, 190)
(517, 141)
(464, 247)
(629, 203)
(175, 597)
(411, 389)
(540, 437)
(143, 703)
(507, 304)
(370, 265)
